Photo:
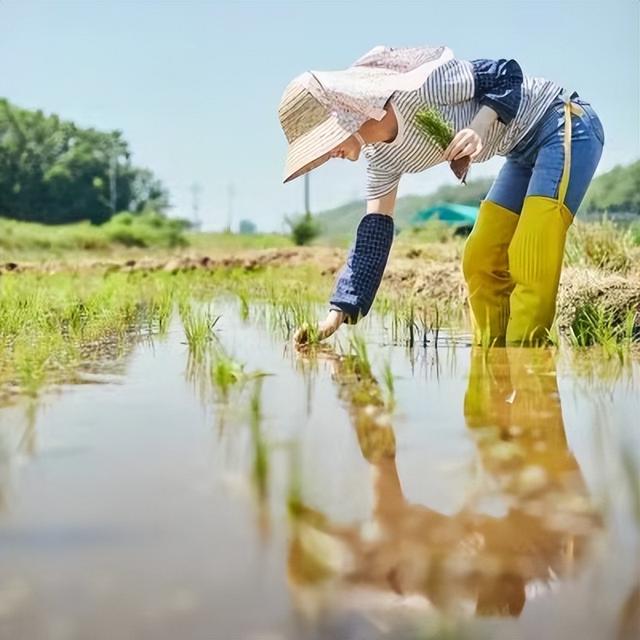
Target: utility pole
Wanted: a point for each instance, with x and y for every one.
(196, 191)
(307, 208)
(230, 196)
(113, 186)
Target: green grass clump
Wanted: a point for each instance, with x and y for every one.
(148, 229)
(595, 324)
(601, 244)
(199, 326)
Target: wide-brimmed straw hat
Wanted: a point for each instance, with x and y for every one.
(320, 109)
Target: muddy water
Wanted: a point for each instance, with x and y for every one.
(496, 500)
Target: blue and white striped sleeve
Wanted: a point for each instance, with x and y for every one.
(450, 83)
(493, 83)
(380, 181)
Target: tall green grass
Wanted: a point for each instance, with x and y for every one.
(124, 229)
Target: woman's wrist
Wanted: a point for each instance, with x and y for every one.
(481, 122)
(336, 317)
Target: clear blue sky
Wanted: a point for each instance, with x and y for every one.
(194, 85)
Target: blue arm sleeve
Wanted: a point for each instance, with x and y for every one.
(358, 282)
(498, 84)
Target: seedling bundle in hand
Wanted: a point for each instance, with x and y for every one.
(433, 125)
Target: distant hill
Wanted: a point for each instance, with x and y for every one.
(616, 190)
(344, 219)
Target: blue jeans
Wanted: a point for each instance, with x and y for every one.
(534, 166)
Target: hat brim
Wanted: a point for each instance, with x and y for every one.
(311, 150)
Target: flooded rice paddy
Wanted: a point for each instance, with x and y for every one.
(364, 490)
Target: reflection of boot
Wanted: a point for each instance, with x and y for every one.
(502, 595)
(536, 415)
(486, 270)
(489, 387)
(535, 261)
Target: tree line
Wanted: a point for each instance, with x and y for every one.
(55, 172)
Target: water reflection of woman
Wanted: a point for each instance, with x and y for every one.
(472, 558)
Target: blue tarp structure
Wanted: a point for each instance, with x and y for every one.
(454, 214)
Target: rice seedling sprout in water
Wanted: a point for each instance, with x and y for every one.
(389, 382)
(198, 328)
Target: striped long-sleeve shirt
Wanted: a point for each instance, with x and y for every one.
(457, 90)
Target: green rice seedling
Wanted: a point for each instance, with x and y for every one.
(163, 310)
(50, 324)
(199, 328)
(431, 123)
(596, 325)
(30, 364)
(295, 503)
(356, 375)
(423, 325)
(244, 305)
(389, 382)
(553, 335)
(410, 324)
(225, 373)
(436, 331)
(184, 304)
(359, 356)
(299, 313)
(260, 448)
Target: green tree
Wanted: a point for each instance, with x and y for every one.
(616, 190)
(53, 171)
(303, 228)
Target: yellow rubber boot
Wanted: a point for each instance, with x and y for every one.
(486, 269)
(535, 262)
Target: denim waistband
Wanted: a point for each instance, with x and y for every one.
(553, 107)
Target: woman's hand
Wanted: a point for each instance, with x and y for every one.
(469, 141)
(327, 327)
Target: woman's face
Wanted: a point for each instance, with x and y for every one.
(349, 149)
